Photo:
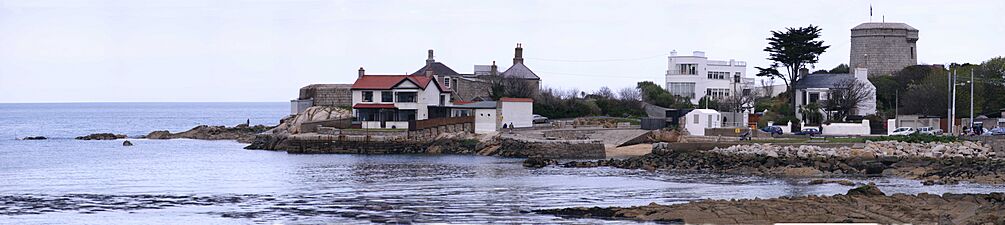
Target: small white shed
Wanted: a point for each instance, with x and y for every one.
(518, 112)
(699, 119)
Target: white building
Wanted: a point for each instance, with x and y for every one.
(695, 77)
(697, 120)
(390, 101)
(816, 88)
(491, 116)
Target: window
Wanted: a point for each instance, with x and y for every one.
(443, 99)
(912, 52)
(710, 121)
(455, 83)
(405, 96)
(683, 89)
(446, 82)
(717, 92)
(746, 92)
(717, 75)
(814, 97)
(695, 118)
(688, 69)
(367, 96)
(386, 96)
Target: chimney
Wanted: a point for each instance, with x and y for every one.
(361, 72)
(673, 53)
(804, 71)
(518, 54)
(494, 69)
(429, 59)
(862, 74)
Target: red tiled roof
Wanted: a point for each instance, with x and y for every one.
(387, 82)
(373, 106)
(516, 100)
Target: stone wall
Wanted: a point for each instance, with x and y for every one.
(468, 88)
(328, 94)
(551, 149)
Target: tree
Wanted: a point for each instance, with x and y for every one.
(811, 113)
(840, 68)
(656, 95)
(847, 96)
(510, 87)
(792, 49)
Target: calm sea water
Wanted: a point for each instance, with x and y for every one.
(66, 181)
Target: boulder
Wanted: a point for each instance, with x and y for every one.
(127, 143)
(866, 190)
(101, 136)
(35, 138)
(538, 162)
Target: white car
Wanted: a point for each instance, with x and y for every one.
(929, 131)
(904, 131)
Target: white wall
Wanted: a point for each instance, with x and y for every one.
(485, 121)
(699, 119)
(518, 113)
(846, 128)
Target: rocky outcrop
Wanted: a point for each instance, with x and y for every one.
(242, 133)
(578, 149)
(292, 125)
(538, 162)
(863, 204)
(943, 170)
(35, 138)
(101, 136)
(127, 143)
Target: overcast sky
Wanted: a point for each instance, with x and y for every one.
(256, 50)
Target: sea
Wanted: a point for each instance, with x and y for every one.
(61, 180)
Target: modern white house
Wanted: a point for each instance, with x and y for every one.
(697, 120)
(491, 116)
(817, 88)
(390, 101)
(695, 76)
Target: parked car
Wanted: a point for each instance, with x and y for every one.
(903, 131)
(929, 131)
(540, 119)
(996, 131)
(809, 131)
(772, 130)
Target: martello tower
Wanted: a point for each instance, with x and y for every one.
(883, 48)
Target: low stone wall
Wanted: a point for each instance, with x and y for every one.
(568, 134)
(551, 149)
(363, 145)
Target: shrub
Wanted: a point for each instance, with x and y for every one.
(916, 138)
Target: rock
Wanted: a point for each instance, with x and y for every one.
(101, 136)
(243, 134)
(841, 182)
(35, 138)
(866, 190)
(127, 143)
(538, 162)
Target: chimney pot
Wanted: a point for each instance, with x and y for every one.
(361, 72)
(518, 54)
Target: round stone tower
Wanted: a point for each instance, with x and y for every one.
(883, 48)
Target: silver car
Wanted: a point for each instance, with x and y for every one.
(540, 119)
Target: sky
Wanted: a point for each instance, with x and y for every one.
(261, 50)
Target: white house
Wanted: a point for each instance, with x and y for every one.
(816, 88)
(390, 101)
(491, 116)
(697, 120)
(695, 77)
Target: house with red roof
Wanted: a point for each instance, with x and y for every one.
(390, 101)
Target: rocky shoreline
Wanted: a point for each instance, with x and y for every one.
(862, 204)
(931, 170)
(243, 133)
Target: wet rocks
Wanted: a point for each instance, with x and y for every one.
(35, 138)
(841, 182)
(242, 133)
(101, 136)
(898, 208)
(127, 143)
(538, 162)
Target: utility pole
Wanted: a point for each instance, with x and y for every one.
(972, 100)
(952, 120)
(949, 95)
